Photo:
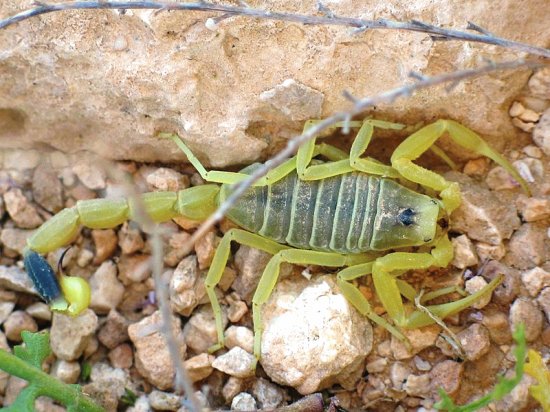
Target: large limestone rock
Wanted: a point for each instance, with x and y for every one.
(107, 81)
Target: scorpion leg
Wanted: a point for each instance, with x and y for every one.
(420, 141)
(356, 298)
(218, 265)
(219, 176)
(389, 289)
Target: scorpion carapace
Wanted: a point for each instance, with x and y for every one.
(349, 212)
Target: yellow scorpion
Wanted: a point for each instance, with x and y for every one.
(347, 212)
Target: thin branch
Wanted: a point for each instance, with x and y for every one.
(182, 382)
(360, 25)
(359, 106)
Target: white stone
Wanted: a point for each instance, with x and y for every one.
(237, 362)
(474, 285)
(313, 337)
(535, 279)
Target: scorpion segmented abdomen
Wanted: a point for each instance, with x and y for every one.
(334, 214)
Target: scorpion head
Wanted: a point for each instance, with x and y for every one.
(404, 218)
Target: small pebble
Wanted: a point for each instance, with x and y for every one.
(231, 388)
(243, 402)
(205, 248)
(526, 312)
(486, 251)
(419, 339)
(69, 336)
(176, 250)
(105, 242)
(134, 268)
(165, 179)
(446, 375)
(474, 285)
(6, 308)
(527, 247)
(533, 151)
(421, 364)
(237, 309)
(268, 395)
(200, 330)
(84, 258)
(239, 336)
(186, 288)
(107, 291)
(152, 358)
(464, 252)
(90, 175)
(418, 385)
(399, 372)
(164, 401)
(199, 367)
(475, 341)
(535, 279)
(14, 240)
(39, 310)
(114, 331)
(18, 322)
(544, 302)
(237, 362)
(533, 208)
(47, 190)
(129, 239)
(496, 323)
(121, 356)
(378, 365)
(66, 371)
(539, 83)
(23, 213)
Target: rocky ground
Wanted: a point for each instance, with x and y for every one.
(313, 341)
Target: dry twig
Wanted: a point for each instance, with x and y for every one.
(478, 34)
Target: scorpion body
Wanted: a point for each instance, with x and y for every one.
(348, 212)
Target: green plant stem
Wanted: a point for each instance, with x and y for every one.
(46, 385)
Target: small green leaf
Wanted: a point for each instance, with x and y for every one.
(129, 397)
(85, 372)
(36, 349)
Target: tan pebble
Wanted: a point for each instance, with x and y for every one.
(419, 339)
(231, 388)
(476, 167)
(18, 322)
(516, 109)
(114, 330)
(533, 208)
(237, 309)
(105, 242)
(239, 336)
(535, 279)
(475, 341)
(474, 285)
(529, 115)
(21, 210)
(526, 312)
(525, 126)
(205, 248)
(66, 371)
(152, 357)
(199, 367)
(446, 375)
(464, 252)
(69, 336)
(237, 362)
(129, 239)
(121, 356)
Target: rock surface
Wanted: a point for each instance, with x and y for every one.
(217, 86)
